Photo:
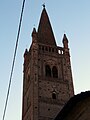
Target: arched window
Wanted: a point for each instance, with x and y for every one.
(48, 71)
(55, 72)
(53, 95)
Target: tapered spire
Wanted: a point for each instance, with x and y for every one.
(45, 33)
(65, 41)
(34, 35)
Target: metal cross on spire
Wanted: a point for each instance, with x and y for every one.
(43, 5)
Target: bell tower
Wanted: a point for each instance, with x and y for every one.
(47, 75)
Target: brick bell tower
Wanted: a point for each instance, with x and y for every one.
(47, 75)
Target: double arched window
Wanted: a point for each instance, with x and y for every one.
(51, 72)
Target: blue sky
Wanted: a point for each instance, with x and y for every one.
(67, 16)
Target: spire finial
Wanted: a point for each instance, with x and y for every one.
(43, 5)
(64, 31)
(34, 25)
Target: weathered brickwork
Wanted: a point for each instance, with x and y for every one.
(47, 75)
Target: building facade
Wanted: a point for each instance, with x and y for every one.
(77, 108)
(47, 75)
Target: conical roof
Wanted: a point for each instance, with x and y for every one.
(45, 33)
